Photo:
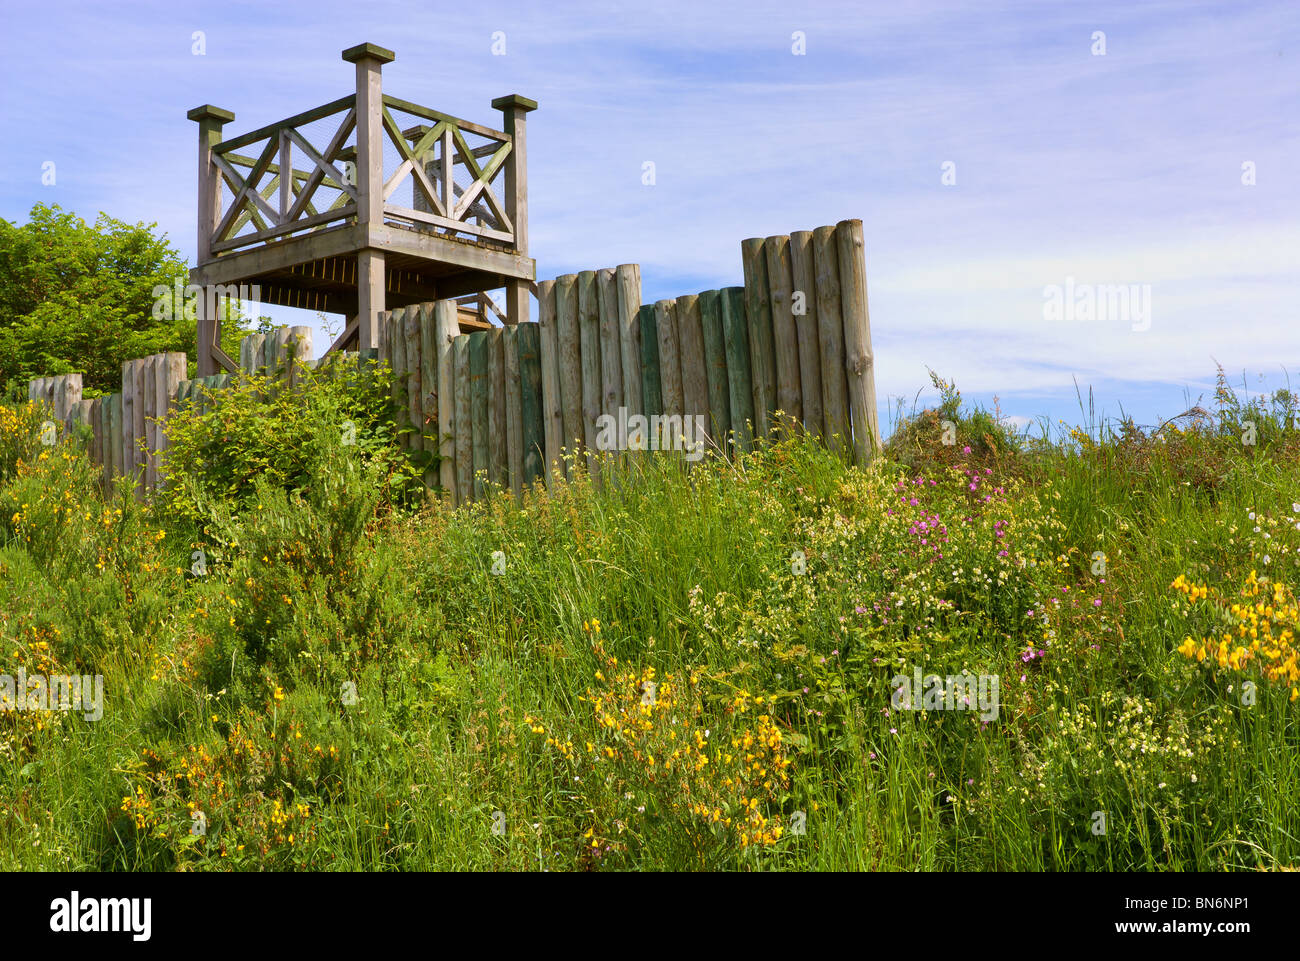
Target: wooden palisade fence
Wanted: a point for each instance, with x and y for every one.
(790, 350)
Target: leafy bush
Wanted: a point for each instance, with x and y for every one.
(261, 435)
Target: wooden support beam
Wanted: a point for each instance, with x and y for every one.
(210, 120)
(370, 297)
(515, 109)
(369, 60)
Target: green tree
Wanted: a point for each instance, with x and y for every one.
(79, 298)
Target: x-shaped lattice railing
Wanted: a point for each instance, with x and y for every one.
(295, 210)
(430, 155)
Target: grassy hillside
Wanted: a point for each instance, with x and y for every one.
(689, 669)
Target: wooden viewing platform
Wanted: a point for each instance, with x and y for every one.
(338, 234)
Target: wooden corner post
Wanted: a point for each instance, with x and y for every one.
(515, 109)
(210, 120)
(369, 60)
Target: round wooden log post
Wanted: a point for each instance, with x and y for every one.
(496, 411)
(785, 341)
(115, 425)
(514, 410)
(627, 277)
(79, 414)
(758, 318)
(652, 395)
(171, 369)
(409, 331)
(252, 350)
(139, 416)
(298, 353)
(589, 351)
(611, 356)
(151, 416)
(859, 362)
(549, 352)
(464, 423)
(670, 364)
(694, 372)
(478, 397)
(803, 304)
(268, 355)
(67, 397)
(105, 442)
(127, 426)
(91, 410)
(531, 360)
(429, 391)
(395, 322)
(735, 331)
(384, 347)
(446, 330)
(566, 325)
(830, 331)
(715, 366)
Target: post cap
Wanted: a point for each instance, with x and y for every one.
(515, 100)
(209, 112)
(371, 51)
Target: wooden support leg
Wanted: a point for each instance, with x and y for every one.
(370, 298)
(517, 306)
(209, 333)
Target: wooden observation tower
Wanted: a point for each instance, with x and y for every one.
(365, 204)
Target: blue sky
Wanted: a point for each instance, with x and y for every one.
(1117, 169)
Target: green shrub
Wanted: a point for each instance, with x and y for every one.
(286, 439)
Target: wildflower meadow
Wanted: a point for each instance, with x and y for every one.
(1064, 649)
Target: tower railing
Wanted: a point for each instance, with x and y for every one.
(257, 192)
(361, 205)
(284, 204)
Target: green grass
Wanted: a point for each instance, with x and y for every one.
(476, 741)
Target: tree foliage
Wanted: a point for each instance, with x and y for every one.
(76, 297)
